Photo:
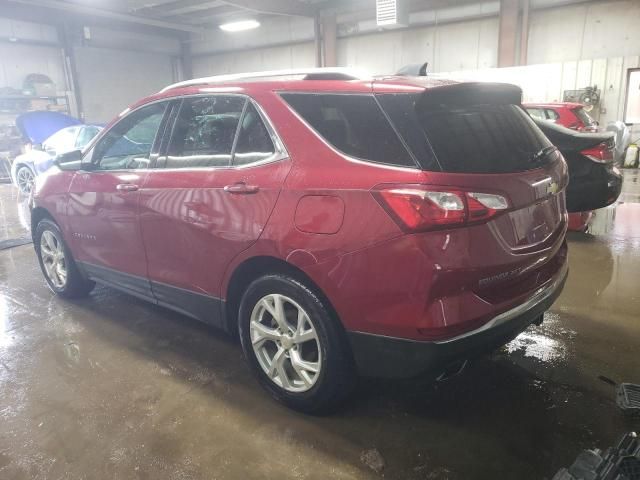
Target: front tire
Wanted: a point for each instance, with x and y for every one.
(25, 179)
(295, 345)
(57, 265)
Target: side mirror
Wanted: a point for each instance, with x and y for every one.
(69, 160)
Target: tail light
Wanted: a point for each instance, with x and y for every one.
(601, 153)
(417, 208)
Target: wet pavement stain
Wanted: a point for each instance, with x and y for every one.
(112, 387)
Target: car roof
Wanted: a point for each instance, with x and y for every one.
(309, 80)
(333, 80)
(569, 105)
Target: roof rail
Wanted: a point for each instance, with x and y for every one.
(306, 74)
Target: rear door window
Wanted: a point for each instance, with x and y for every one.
(204, 132)
(354, 124)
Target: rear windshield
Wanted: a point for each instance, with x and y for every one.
(493, 138)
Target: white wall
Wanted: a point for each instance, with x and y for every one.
(440, 45)
(114, 67)
(134, 41)
(376, 53)
(274, 58)
(547, 82)
(586, 31)
(17, 60)
(452, 38)
(217, 52)
(110, 79)
(274, 30)
(118, 67)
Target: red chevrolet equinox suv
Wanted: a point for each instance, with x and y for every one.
(389, 227)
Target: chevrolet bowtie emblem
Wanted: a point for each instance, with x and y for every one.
(552, 188)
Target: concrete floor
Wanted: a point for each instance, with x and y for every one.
(111, 387)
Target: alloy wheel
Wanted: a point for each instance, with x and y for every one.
(24, 179)
(285, 343)
(53, 259)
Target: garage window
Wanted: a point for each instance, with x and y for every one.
(353, 124)
(632, 97)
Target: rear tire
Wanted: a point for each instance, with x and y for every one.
(294, 345)
(57, 264)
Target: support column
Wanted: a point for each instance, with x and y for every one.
(326, 35)
(186, 59)
(65, 37)
(330, 40)
(524, 32)
(508, 33)
(317, 40)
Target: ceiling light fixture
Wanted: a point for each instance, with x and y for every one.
(240, 26)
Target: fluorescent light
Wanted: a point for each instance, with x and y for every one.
(239, 26)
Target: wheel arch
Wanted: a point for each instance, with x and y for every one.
(37, 215)
(256, 267)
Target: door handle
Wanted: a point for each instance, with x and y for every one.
(241, 188)
(127, 187)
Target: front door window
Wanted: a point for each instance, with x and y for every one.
(128, 144)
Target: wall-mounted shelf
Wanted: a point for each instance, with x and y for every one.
(17, 104)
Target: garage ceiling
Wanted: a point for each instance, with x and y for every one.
(185, 15)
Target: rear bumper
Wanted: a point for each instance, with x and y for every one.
(599, 189)
(381, 356)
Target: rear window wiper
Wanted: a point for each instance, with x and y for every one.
(539, 155)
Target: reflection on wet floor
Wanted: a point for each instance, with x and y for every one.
(113, 385)
(14, 213)
(544, 343)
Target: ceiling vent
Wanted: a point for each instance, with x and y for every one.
(392, 13)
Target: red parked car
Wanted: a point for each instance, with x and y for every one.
(387, 227)
(570, 115)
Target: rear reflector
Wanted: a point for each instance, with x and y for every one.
(417, 208)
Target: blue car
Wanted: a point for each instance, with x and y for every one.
(48, 134)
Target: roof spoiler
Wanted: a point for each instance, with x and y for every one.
(472, 93)
(414, 70)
